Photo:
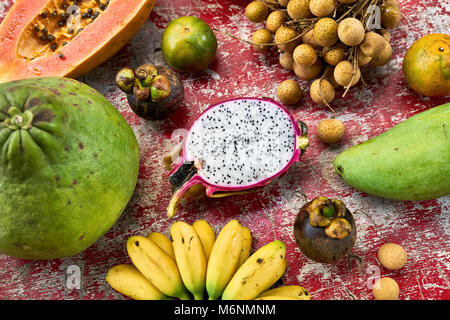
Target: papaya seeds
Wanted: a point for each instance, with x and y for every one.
(71, 167)
(153, 92)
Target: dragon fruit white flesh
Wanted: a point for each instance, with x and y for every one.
(237, 145)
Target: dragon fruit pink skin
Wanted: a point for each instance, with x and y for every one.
(235, 146)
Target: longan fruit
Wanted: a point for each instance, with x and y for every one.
(373, 44)
(256, 11)
(332, 80)
(285, 34)
(335, 54)
(304, 54)
(383, 58)
(390, 15)
(386, 289)
(362, 58)
(275, 20)
(308, 38)
(322, 8)
(322, 91)
(392, 256)
(298, 9)
(385, 34)
(284, 3)
(343, 73)
(307, 72)
(287, 61)
(325, 32)
(262, 36)
(289, 92)
(351, 32)
(330, 130)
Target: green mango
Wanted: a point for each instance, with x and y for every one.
(411, 161)
(68, 167)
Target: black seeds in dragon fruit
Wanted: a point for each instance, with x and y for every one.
(241, 142)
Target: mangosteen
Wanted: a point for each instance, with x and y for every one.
(153, 92)
(325, 230)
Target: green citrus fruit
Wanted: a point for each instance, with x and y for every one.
(188, 44)
(68, 167)
(426, 65)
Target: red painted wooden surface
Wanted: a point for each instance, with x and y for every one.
(422, 228)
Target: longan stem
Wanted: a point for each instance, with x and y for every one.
(320, 91)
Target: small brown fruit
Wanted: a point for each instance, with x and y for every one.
(386, 289)
(325, 32)
(322, 91)
(298, 9)
(330, 130)
(362, 58)
(392, 256)
(385, 34)
(275, 20)
(322, 8)
(373, 44)
(289, 92)
(308, 38)
(351, 31)
(334, 55)
(390, 15)
(256, 11)
(286, 36)
(346, 75)
(262, 36)
(305, 54)
(284, 3)
(307, 72)
(383, 58)
(287, 61)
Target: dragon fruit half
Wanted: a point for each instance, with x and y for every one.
(235, 146)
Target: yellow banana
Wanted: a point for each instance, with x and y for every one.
(126, 279)
(160, 269)
(276, 298)
(261, 270)
(206, 234)
(296, 292)
(246, 246)
(163, 242)
(224, 258)
(190, 257)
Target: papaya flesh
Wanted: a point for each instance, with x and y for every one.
(68, 167)
(411, 161)
(41, 38)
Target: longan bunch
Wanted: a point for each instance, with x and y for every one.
(325, 41)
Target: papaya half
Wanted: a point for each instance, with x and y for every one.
(41, 38)
(409, 162)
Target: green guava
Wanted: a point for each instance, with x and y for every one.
(188, 44)
(68, 167)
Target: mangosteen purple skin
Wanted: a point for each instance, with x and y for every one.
(151, 110)
(316, 244)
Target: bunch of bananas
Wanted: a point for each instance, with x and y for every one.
(196, 264)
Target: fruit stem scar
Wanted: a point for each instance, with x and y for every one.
(445, 131)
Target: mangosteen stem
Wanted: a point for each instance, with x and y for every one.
(360, 260)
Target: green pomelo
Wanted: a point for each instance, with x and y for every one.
(411, 161)
(68, 167)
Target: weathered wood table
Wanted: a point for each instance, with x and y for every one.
(422, 228)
